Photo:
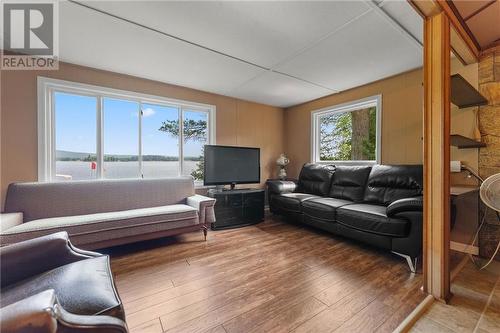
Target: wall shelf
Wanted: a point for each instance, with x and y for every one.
(462, 142)
(463, 94)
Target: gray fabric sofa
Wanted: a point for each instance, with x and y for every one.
(103, 213)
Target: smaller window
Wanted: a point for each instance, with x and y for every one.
(347, 133)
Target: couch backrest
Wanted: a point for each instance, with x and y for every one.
(315, 179)
(388, 183)
(44, 200)
(349, 182)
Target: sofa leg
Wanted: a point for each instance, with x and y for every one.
(205, 231)
(412, 262)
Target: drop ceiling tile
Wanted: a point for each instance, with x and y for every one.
(114, 45)
(406, 16)
(485, 26)
(279, 90)
(264, 33)
(367, 50)
(468, 7)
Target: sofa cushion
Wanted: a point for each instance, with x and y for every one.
(388, 183)
(323, 208)
(84, 287)
(315, 179)
(59, 199)
(291, 201)
(171, 216)
(349, 182)
(373, 219)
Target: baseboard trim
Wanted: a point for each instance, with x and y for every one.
(415, 315)
(464, 248)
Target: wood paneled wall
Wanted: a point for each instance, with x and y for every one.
(402, 107)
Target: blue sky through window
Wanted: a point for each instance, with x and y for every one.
(76, 127)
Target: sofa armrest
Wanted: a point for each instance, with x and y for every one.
(414, 204)
(281, 186)
(32, 314)
(34, 256)
(205, 207)
(42, 313)
(9, 220)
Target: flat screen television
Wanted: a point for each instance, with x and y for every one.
(231, 165)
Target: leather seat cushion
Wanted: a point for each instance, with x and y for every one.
(388, 183)
(84, 287)
(349, 182)
(315, 179)
(372, 218)
(323, 208)
(292, 201)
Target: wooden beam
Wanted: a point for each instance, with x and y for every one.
(437, 156)
(426, 8)
(462, 42)
(461, 27)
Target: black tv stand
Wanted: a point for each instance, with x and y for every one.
(237, 207)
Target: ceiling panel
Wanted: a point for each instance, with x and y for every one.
(367, 50)
(114, 45)
(485, 26)
(264, 33)
(468, 7)
(406, 16)
(279, 90)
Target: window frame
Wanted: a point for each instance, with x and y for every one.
(372, 101)
(46, 89)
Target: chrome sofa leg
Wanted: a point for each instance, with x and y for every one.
(412, 262)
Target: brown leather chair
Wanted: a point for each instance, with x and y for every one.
(47, 285)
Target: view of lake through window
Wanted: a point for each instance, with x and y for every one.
(138, 139)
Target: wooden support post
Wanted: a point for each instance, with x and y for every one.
(437, 156)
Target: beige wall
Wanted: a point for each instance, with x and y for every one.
(238, 122)
(402, 105)
(463, 122)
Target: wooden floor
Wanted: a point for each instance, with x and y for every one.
(474, 307)
(272, 277)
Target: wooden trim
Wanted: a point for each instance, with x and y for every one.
(464, 248)
(461, 49)
(460, 26)
(415, 315)
(459, 56)
(466, 47)
(488, 48)
(426, 8)
(437, 156)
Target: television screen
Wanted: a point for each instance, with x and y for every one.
(231, 165)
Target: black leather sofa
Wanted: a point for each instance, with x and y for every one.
(379, 205)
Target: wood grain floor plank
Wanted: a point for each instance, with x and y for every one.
(272, 277)
(215, 317)
(290, 317)
(152, 326)
(217, 329)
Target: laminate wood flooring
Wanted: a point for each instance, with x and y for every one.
(271, 277)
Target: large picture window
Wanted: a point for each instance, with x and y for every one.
(347, 133)
(88, 132)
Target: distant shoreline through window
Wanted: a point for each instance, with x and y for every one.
(89, 132)
(348, 133)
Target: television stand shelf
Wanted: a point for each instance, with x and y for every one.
(237, 208)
